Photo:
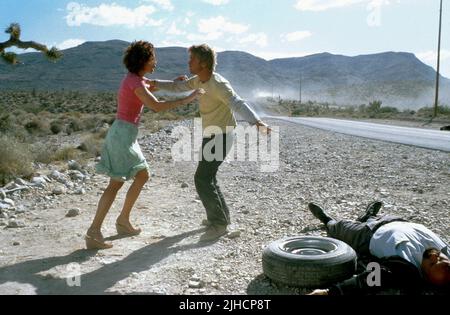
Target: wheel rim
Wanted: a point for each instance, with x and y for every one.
(308, 247)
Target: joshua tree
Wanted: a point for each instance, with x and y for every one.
(14, 40)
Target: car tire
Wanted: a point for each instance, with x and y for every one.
(309, 261)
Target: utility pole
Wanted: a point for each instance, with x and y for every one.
(436, 100)
(300, 90)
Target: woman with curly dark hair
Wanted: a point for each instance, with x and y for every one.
(121, 157)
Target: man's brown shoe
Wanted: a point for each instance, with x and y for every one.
(213, 233)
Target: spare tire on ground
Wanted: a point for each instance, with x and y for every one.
(309, 261)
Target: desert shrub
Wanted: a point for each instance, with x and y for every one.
(425, 112)
(153, 125)
(167, 116)
(374, 107)
(18, 112)
(296, 112)
(92, 122)
(71, 124)
(37, 126)
(429, 111)
(49, 153)
(409, 112)
(109, 119)
(65, 154)
(76, 115)
(32, 126)
(101, 130)
(45, 114)
(7, 123)
(16, 159)
(43, 153)
(56, 126)
(92, 145)
(389, 110)
(362, 108)
(444, 110)
(75, 124)
(350, 110)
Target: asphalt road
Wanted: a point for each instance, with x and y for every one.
(424, 138)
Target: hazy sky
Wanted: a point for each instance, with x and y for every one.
(266, 28)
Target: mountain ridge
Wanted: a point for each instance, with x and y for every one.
(397, 78)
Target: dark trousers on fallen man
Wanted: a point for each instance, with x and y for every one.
(214, 152)
(358, 234)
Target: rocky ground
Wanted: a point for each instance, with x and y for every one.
(42, 222)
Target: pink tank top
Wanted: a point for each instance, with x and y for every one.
(129, 105)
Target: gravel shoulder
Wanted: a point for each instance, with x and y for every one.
(341, 172)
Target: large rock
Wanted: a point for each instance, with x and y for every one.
(60, 190)
(73, 213)
(76, 175)
(21, 209)
(39, 181)
(59, 177)
(234, 234)
(80, 191)
(7, 203)
(21, 182)
(55, 175)
(13, 224)
(74, 165)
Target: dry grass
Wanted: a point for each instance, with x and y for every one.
(66, 154)
(92, 144)
(16, 159)
(27, 118)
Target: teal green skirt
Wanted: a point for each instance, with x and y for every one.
(121, 157)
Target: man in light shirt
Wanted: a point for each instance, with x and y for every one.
(410, 254)
(217, 107)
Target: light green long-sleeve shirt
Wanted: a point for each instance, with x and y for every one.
(217, 105)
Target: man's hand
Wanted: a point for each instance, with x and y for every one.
(319, 292)
(181, 78)
(196, 94)
(199, 92)
(263, 127)
(151, 85)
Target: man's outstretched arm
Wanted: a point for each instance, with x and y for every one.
(178, 85)
(395, 272)
(357, 285)
(238, 105)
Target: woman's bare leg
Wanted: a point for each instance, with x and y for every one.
(108, 197)
(132, 195)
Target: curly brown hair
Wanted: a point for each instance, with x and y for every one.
(137, 55)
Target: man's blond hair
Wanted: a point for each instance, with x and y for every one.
(205, 54)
